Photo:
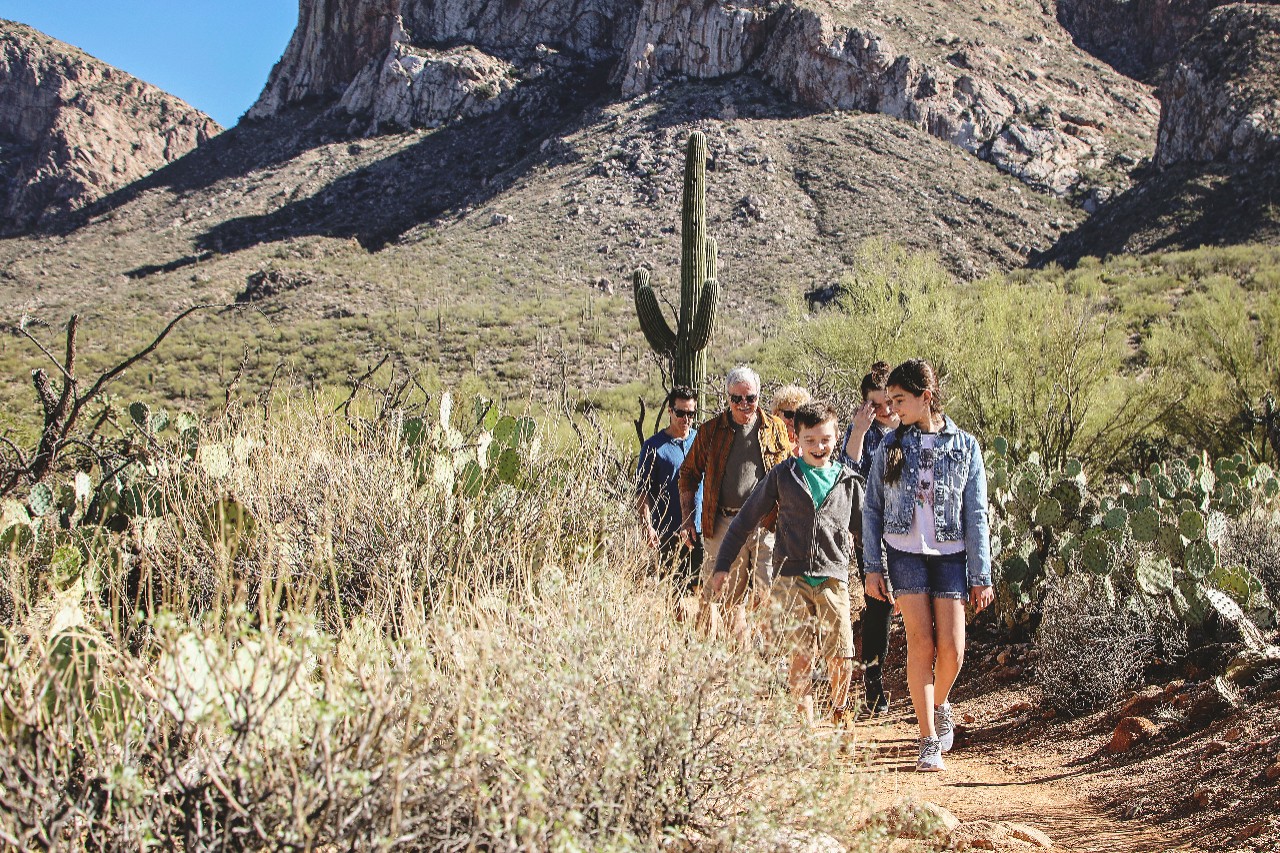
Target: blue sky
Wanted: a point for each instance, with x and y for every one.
(214, 54)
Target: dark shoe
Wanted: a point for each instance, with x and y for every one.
(874, 697)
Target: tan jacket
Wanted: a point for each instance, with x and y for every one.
(709, 453)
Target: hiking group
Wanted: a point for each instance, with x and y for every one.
(763, 513)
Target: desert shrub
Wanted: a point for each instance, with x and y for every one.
(317, 640)
(1116, 364)
(1053, 385)
(1253, 541)
(1090, 650)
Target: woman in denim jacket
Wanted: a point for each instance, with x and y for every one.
(925, 523)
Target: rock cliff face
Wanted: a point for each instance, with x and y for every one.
(1138, 37)
(978, 82)
(1221, 101)
(1135, 36)
(73, 129)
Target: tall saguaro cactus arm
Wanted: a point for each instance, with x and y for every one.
(686, 345)
(657, 331)
(704, 320)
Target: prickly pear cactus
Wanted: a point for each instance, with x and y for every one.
(1144, 525)
(1049, 513)
(1098, 556)
(1154, 575)
(1191, 524)
(1116, 519)
(1199, 559)
(1155, 540)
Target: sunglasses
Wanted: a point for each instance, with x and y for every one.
(787, 413)
(739, 398)
(681, 413)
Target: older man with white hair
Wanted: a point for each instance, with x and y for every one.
(732, 452)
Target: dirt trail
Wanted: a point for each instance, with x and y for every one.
(1004, 782)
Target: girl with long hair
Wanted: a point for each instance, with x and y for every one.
(925, 523)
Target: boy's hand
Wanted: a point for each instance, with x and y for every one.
(716, 583)
(875, 587)
(651, 536)
(981, 596)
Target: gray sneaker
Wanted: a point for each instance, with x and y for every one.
(945, 725)
(930, 760)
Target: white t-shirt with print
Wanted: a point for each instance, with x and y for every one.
(922, 538)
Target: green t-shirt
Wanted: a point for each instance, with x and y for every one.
(821, 481)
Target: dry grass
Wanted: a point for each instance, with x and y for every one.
(376, 661)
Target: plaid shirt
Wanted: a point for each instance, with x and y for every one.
(710, 452)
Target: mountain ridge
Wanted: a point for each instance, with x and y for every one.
(73, 129)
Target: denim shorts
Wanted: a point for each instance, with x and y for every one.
(942, 576)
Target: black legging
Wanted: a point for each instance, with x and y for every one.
(875, 632)
(875, 627)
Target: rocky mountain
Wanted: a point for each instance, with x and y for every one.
(471, 182)
(1216, 172)
(73, 129)
(1006, 86)
(1221, 98)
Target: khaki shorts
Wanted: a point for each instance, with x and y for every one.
(811, 618)
(750, 568)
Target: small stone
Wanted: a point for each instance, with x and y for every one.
(1218, 701)
(918, 819)
(1202, 797)
(1018, 708)
(969, 718)
(1253, 830)
(1130, 732)
(1030, 834)
(1142, 703)
(1214, 747)
(979, 835)
(1003, 658)
(1273, 772)
(1232, 734)
(1007, 673)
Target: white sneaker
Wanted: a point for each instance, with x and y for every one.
(945, 725)
(930, 756)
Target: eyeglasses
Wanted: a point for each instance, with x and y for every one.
(739, 398)
(787, 413)
(680, 413)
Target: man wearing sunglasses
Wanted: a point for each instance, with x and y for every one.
(730, 455)
(658, 493)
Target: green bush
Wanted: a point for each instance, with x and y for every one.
(1115, 363)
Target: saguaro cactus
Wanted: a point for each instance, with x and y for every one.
(699, 292)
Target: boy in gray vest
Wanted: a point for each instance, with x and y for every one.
(819, 504)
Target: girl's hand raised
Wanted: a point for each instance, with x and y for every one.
(981, 597)
(863, 418)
